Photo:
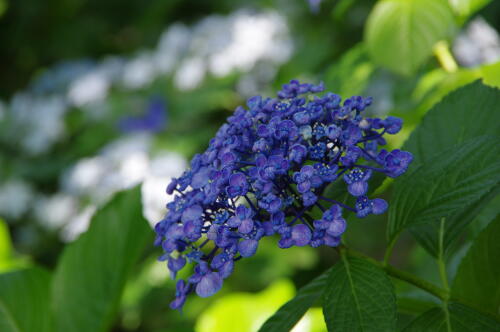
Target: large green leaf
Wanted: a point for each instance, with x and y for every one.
(469, 112)
(487, 214)
(359, 296)
(401, 34)
(478, 276)
(445, 185)
(92, 271)
(291, 312)
(457, 318)
(25, 301)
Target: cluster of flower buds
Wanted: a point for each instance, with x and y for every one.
(264, 171)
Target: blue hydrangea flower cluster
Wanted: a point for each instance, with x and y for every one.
(264, 172)
(154, 119)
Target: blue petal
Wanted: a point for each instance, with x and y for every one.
(209, 284)
(358, 188)
(248, 248)
(227, 269)
(246, 226)
(331, 241)
(379, 206)
(301, 235)
(200, 179)
(337, 227)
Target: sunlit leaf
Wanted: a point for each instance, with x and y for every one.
(292, 311)
(5, 246)
(401, 34)
(491, 74)
(243, 311)
(437, 84)
(8, 261)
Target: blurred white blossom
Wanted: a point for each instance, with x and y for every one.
(250, 44)
(139, 71)
(55, 211)
(78, 224)
(36, 121)
(190, 74)
(92, 87)
(16, 196)
(120, 165)
(173, 42)
(238, 42)
(254, 44)
(154, 199)
(478, 44)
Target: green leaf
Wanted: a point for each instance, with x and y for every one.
(467, 113)
(457, 318)
(466, 8)
(92, 271)
(350, 76)
(3, 7)
(447, 184)
(487, 214)
(5, 247)
(428, 235)
(359, 297)
(491, 74)
(25, 301)
(478, 276)
(248, 308)
(435, 85)
(291, 312)
(471, 111)
(401, 34)
(341, 9)
(413, 305)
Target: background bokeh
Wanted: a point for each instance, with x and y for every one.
(101, 96)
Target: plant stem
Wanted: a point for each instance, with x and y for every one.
(388, 251)
(444, 56)
(401, 275)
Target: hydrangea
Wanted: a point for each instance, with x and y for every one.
(154, 119)
(263, 173)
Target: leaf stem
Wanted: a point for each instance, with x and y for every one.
(388, 251)
(401, 275)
